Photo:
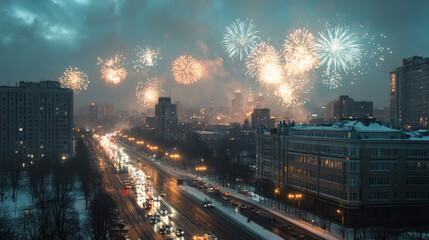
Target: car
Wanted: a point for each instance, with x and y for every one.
(158, 217)
(301, 236)
(153, 220)
(286, 227)
(225, 198)
(251, 207)
(163, 212)
(164, 231)
(257, 212)
(227, 194)
(149, 216)
(234, 203)
(167, 227)
(180, 232)
(243, 207)
(208, 204)
(163, 194)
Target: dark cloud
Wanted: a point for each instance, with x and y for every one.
(39, 39)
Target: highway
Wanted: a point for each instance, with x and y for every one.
(207, 220)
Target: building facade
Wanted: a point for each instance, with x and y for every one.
(409, 94)
(262, 117)
(347, 108)
(166, 124)
(36, 120)
(371, 173)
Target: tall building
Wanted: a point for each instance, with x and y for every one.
(250, 101)
(106, 112)
(262, 117)
(237, 103)
(347, 108)
(372, 173)
(36, 120)
(259, 101)
(328, 112)
(409, 93)
(166, 124)
(93, 113)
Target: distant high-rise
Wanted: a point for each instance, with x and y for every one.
(36, 120)
(262, 117)
(346, 108)
(409, 94)
(237, 103)
(250, 101)
(106, 112)
(259, 101)
(165, 119)
(93, 113)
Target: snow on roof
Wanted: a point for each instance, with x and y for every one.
(350, 125)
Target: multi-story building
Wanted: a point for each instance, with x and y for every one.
(166, 124)
(371, 173)
(262, 117)
(36, 120)
(93, 113)
(346, 108)
(106, 112)
(409, 94)
(237, 107)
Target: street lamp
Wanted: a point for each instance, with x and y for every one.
(342, 220)
(296, 197)
(200, 169)
(276, 192)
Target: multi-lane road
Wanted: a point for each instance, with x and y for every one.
(187, 212)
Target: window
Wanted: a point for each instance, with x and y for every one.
(378, 181)
(416, 196)
(418, 180)
(379, 166)
(418, 166)
(378, 196)
(353, 196)
(352, 181)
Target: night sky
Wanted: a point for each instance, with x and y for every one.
(40, 39)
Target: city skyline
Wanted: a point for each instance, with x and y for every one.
(200, 34)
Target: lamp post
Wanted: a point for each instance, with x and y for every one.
(200, 169)
(298, 197)
(276, 192)
(342, 220)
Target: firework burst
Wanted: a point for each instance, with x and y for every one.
(338, 49)
(146, 58)
(240, 39)
(264, 63)
(75, 79)
(149, 92)
(331, 79)
(186, 70)
(292, 92)
(112, 70)
(299, 51)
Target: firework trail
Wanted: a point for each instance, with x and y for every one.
(338, 49)
(112, 70)
(146, 58)
(75, 79)
(299, 51)
(264, 63)
(240, 39)
(149, 92)
(186, 70)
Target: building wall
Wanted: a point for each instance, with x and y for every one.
(409, 94)
(36, 120)
(346, 169)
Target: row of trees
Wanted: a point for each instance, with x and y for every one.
(53, 187)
